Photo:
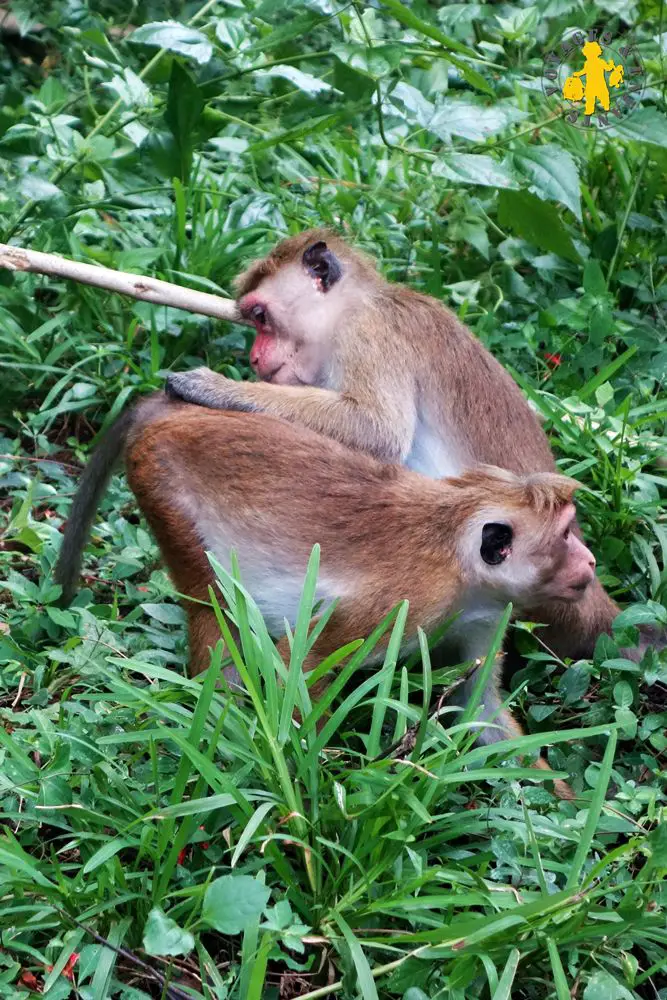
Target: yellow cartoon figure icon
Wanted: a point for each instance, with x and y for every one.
(596, 88)
(573, 89)
(616, 76)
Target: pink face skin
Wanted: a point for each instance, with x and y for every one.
(573, 563)
(266, 357)
(296, 313)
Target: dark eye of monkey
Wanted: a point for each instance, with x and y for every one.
(322, 264)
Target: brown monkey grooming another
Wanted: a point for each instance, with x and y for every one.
(271, 490)
(386, 370)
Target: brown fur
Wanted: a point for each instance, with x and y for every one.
(291, 248)
(396, 350)
(388, 526)
(388, 532)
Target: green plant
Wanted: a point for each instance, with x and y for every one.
(184, 844)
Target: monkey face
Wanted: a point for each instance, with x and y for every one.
(296, 313)
(569, 565)
(528, 557)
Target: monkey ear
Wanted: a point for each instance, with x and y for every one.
(322, 264)
(496, 543)
(314, 251)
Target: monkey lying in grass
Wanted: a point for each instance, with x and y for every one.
(388, 371)
(271, 490)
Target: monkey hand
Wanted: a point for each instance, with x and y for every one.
(204, 387)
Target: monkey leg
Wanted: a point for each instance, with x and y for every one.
(204, 635)
(150, 461)
(347, 623)
(561, 788)
(503, 725)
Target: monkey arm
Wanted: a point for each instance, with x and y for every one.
(383, 426)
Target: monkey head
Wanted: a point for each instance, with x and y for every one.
(297, 298)
(524, 544)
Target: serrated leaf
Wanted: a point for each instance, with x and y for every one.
(131, 89)
(234, 901)
(230, 32)
(636, 614)
(174, 37)
(413, 103)
(474, 168)
(471, 119)
(643, 125)
(551, 173)
(38, 188)
(374, 62)
(536, 221)
(163, 936)
(306, 82)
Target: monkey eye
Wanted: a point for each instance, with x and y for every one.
(322, 264)
(566, 533)
(258, 314)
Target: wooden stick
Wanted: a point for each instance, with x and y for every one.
(161, 293)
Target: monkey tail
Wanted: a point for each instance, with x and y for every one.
(92, 487)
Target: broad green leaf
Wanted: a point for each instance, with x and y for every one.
(38, 188)
(594, 281)
(374, 62)
(163, 936)
(167, 614)
(551, 173)
(639, 614)
(536, 221)
(230, 32)
(306, 82)
(174, 37)
(234, 901)
(131, 89)
(643, 125)
(574, 684)
(623, 695)
(603, 986)
(471, 119)
(474, 168)
(185, 104)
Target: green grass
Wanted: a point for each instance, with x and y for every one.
(182, 843)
